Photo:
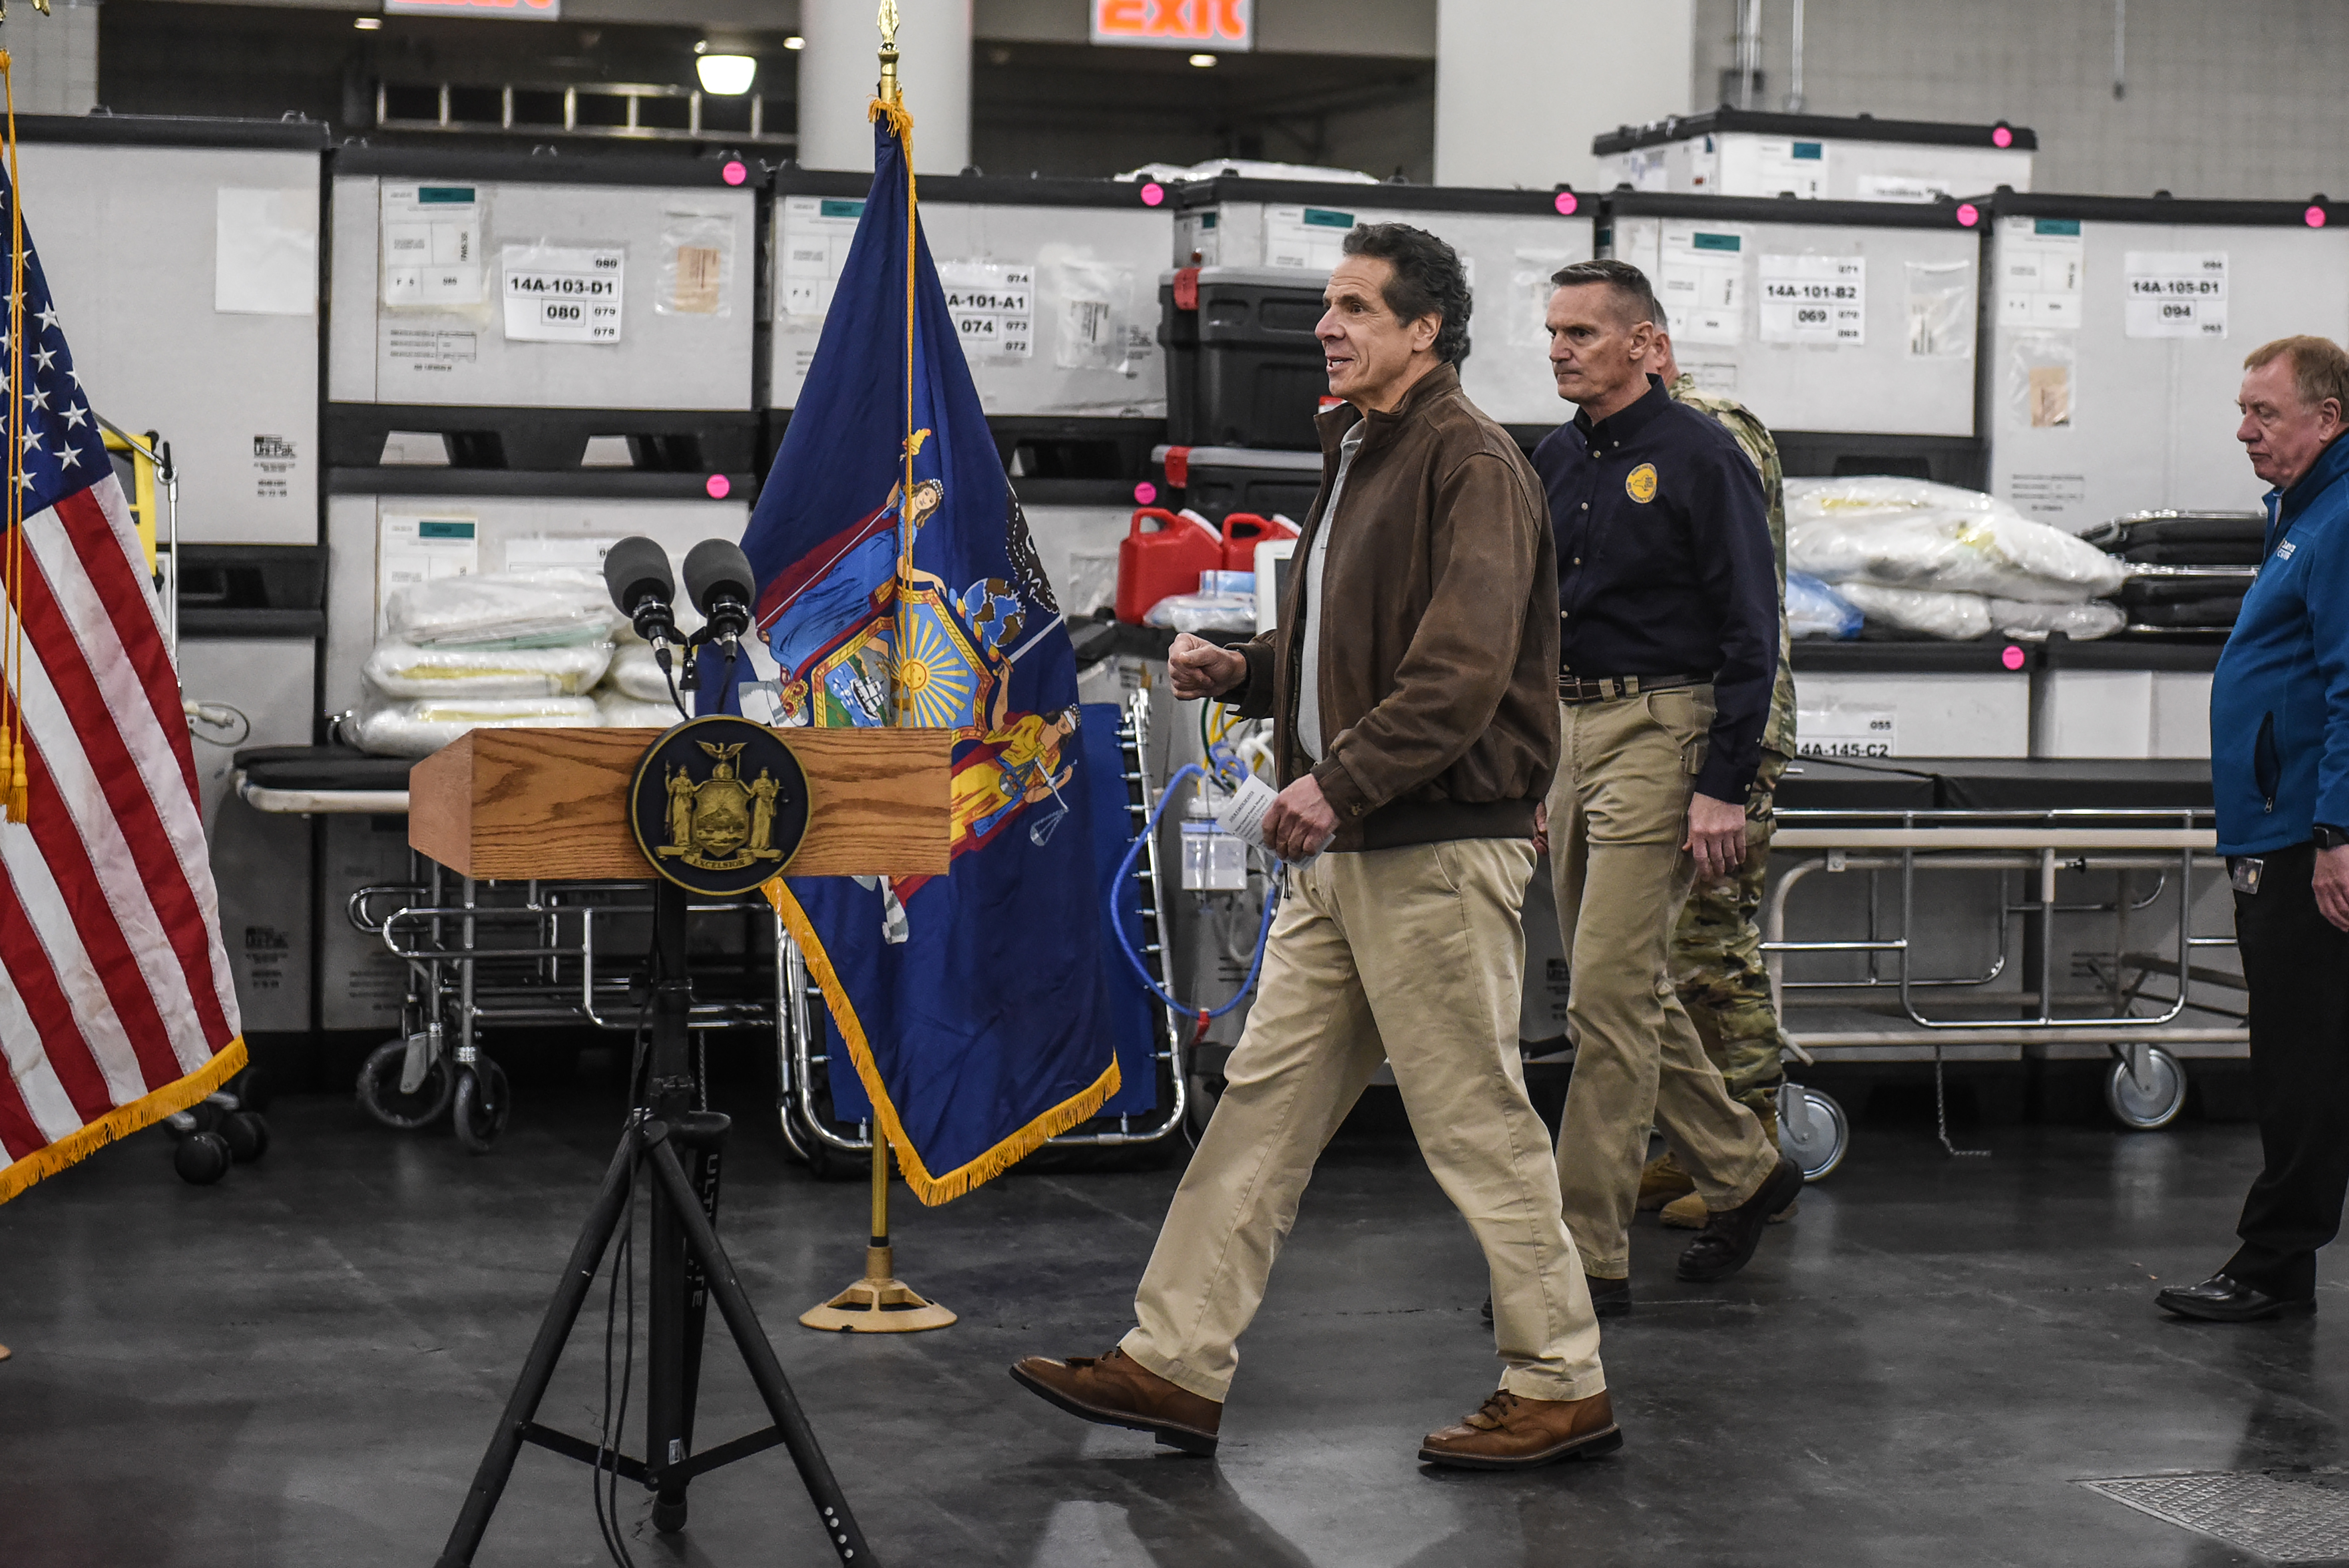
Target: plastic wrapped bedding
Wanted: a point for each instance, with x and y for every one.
(511, 609)
(1911, 533)
(421, 726)
(2081, 623)
(1815, 609)
(1958, 617)
(616, 709)
(403, 669)
(635, 672)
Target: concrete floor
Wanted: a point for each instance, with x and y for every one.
(300, 1365)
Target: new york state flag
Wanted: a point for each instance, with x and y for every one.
(898, 586)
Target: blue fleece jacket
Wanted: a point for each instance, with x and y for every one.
(2280, 701)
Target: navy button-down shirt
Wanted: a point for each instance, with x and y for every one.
(1665, 565)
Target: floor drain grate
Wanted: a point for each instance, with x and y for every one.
(2285, 1521)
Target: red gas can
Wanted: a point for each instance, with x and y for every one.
(1243, 531)
(1161, 555)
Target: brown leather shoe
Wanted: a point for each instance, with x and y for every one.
(1514, 1433)
(1116, 1390)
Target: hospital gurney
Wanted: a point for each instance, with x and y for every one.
(497, 955)
(2023, 822)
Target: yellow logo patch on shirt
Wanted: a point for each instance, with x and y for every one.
(1639, 484)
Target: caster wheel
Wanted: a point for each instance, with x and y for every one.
(381, 1097)
(669, 1518)
(2148, 1096)
(1813, 1133)
(246, 1135)
(201, 1158)
(251, 1088)
(483, 1106)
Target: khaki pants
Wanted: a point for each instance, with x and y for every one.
(1618, 814)
(1412, 954)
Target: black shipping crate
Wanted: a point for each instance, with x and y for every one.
(1242, 366)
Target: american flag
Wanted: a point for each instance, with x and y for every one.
(117, 1007)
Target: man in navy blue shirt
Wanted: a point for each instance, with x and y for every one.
(1667, 599)
(2280, 774)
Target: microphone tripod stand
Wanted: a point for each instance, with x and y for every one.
(680, 1147)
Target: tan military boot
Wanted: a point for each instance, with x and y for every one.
(1688, 1213)
(1661, 1180)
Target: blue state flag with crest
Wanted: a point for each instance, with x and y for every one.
(898, 586)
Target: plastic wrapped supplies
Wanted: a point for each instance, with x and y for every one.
(403, 669)
(1958, 617)
(1815, 609)
(1911, 533)
(2081, 623)
(419, 727)
(616, 709)
(637, 673)
(1203, 612)
(507, 610)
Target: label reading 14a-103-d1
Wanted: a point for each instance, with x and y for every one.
(558, 293)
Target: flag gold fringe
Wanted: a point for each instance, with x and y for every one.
(124, 1120)
(932, 1190)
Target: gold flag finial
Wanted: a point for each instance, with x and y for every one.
(887, 90)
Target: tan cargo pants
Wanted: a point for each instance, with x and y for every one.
(1618, 814)
(1414, 955)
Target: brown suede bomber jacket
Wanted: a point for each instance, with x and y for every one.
(1439, 629)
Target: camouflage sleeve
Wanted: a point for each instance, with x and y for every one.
(1755, 440)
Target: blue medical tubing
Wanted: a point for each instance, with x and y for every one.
(1126, 870)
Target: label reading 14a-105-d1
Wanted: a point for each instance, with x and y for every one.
(564, 295)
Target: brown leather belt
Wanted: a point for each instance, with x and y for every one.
(1607, 688)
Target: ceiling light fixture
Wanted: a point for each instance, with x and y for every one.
(795, 43)
(1202, 61)
(366, 24)
(726, 76)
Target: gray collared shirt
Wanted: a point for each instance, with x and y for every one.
(1309, 671)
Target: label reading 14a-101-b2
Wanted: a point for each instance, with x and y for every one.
(564, 295)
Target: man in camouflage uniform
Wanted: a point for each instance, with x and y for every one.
(1716, 958)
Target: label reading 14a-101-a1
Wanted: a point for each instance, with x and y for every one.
(564, 295)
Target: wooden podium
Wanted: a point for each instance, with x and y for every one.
(552, 805)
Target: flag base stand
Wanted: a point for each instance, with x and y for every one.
(880, 1302)
(877, 1304)
(679, 1148)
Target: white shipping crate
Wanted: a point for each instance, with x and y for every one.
(2117, 327)
(1052, 285)
(182, 257)
(1747, 152)
(494, 280)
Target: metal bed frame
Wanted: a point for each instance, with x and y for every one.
(2145, 1086)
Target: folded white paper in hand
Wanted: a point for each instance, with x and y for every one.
(1242, 817)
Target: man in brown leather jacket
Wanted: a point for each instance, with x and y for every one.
(1412, 683)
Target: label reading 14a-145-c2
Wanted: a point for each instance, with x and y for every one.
(557, 293)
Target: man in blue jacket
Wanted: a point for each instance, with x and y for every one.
(2280, 770)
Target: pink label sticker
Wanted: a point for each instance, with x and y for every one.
(1565, 203)
(2012, 658)
(2314, 215)
(2001, 136)
(1968, 214)
(1153, 193)
(734, 173)
(719, 486)
(1145, 493)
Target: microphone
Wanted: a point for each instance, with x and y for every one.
(718, 577)
(636, 572)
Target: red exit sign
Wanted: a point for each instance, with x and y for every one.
(1209, 25)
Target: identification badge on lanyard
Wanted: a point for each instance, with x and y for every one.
(2243, 871)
